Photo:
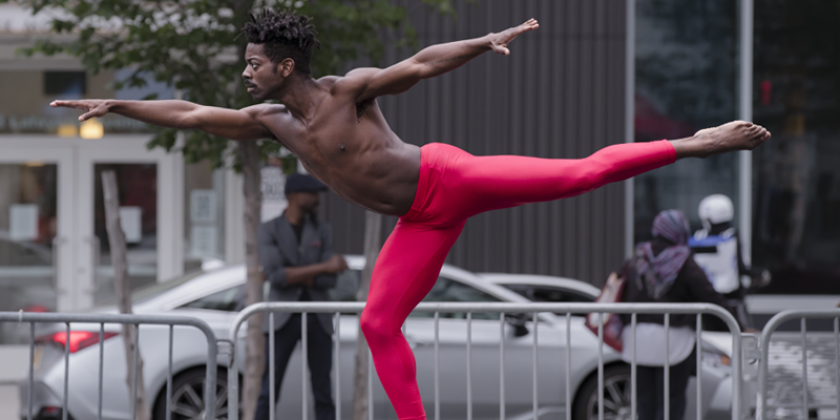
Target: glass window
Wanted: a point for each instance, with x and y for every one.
(65, 83)
(446, 290)
(686, 80)
(796, 176)
(548, 294)
(28, 225)
(228, 300)
(204, 216)
(150, 291)
(137, 184)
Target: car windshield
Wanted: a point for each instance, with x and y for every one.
(145, 293)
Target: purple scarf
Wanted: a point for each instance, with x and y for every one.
(673, 226)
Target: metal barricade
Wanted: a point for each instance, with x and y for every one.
(804, 408)
(568, 309)
(137, 321)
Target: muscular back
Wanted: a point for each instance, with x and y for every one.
(349, 146)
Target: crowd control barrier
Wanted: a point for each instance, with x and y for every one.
(565, 311)
(808, 361)
(209, 409)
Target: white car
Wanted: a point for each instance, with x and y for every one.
(215, 297)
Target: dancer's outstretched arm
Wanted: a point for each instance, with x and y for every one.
(430, 62)
(243, 124)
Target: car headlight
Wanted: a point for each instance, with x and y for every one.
(716, 360)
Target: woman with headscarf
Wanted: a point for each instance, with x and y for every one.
(662, 272)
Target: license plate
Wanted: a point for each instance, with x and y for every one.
(36, 356)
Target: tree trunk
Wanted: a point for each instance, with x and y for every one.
(373, 232)
(116, 238)
(255, 340)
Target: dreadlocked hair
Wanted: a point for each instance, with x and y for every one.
(283, 35)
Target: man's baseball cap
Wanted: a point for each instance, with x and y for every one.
(303, 183)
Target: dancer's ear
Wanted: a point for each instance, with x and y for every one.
(285, 67)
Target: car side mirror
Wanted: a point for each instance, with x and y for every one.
(518, 322)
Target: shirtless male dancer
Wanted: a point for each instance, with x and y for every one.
(334, 126)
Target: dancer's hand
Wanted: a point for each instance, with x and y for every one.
(499, 41)
(335, 264)
(93, 107)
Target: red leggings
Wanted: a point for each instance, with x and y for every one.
(453, 186)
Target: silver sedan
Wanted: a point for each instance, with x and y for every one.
(215, 297)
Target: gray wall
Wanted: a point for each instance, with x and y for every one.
(560, 94)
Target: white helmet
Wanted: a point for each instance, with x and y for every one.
(714, 209)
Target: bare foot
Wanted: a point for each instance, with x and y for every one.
(729, 137)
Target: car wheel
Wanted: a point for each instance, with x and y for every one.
(188, 396)
(616, 395)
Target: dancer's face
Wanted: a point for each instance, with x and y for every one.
(262, 77)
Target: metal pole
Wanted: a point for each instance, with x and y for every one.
(534, 367)
(136, 371)
(629, 116)
(745, 112)
(667, 382)
(336, 365)
(31, 366)
(837, 362)
(804, 371)
(601, 366)
(469, 366)
(67, 372)
(304, 362)
(568, 366)
(370, 384)
(271, 401)
(501, 366)
(101, 369)
(169, 375)
(437, 365)
(699, 349)
(633, 379)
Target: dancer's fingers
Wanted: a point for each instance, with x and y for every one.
(69, 104)
(91, 114)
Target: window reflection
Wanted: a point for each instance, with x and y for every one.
(28, 227)
(686, 75)
(137, 185)
(796, 176)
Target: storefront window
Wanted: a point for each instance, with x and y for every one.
(138, 195)
(796, 176)
(28, 226)
(686, 80)
(204, 224)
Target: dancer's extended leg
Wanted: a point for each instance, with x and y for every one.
(475, 184)
(453, 186)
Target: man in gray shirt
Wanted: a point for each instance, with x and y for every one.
(295, 251)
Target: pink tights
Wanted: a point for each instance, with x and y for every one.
(453, 186)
